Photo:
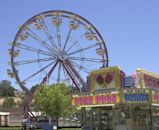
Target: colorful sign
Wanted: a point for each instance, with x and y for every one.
(155, 97)
(136, 96)
(150, 81)
(82, 100)
(95, 99)
(147, 79)
(105, 78)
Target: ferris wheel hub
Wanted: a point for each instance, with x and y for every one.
(62, 55)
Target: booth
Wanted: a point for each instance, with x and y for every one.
(117, 102)
(100, 103)
(4, 118)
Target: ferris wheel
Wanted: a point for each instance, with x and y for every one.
(56, 47)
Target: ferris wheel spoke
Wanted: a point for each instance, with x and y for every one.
(65, 74)
(76, 41)
(42, 42)
(57, 23)
(32, 49)
(71, 76)
(87, 59)
(74, 71)
(49, 73)
(32, 61)
(38, 39)
(59, 71)
(68, 35)
(80, 67)
(36, 73)
(83, 49)
(46, 30)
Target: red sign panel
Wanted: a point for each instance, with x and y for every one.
(156, 98)
(83, 100)
(151, 82)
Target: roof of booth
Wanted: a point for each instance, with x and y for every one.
(4, 113)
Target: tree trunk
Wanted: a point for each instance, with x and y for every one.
(50, 121)
(57, 121)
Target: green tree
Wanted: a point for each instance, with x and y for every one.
(54, 101)
(6, 89)
(21, 102)
(34, 88)
(9, 102)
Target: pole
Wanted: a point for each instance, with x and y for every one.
(151, 117)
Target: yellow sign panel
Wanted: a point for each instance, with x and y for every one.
(105, 78)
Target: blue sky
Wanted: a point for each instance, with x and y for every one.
(130, 28)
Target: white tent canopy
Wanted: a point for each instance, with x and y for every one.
(4, 113)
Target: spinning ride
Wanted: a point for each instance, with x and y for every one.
(56, 47)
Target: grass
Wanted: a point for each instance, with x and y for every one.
(70, 129)
(10, 128)
(18, 128)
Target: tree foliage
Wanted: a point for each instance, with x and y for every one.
(34, 88)
(9, 102)
(6, 89)
(54, 100)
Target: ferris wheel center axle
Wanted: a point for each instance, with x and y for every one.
(62, 55)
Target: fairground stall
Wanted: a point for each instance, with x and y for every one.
(149, 81)
(115, 101)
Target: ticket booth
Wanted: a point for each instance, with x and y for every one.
(155, 109)
(99, 104)
(97, 109)
(139, 103)
(149, 80)
(4, 118)
(98, 118)
(103, 111)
